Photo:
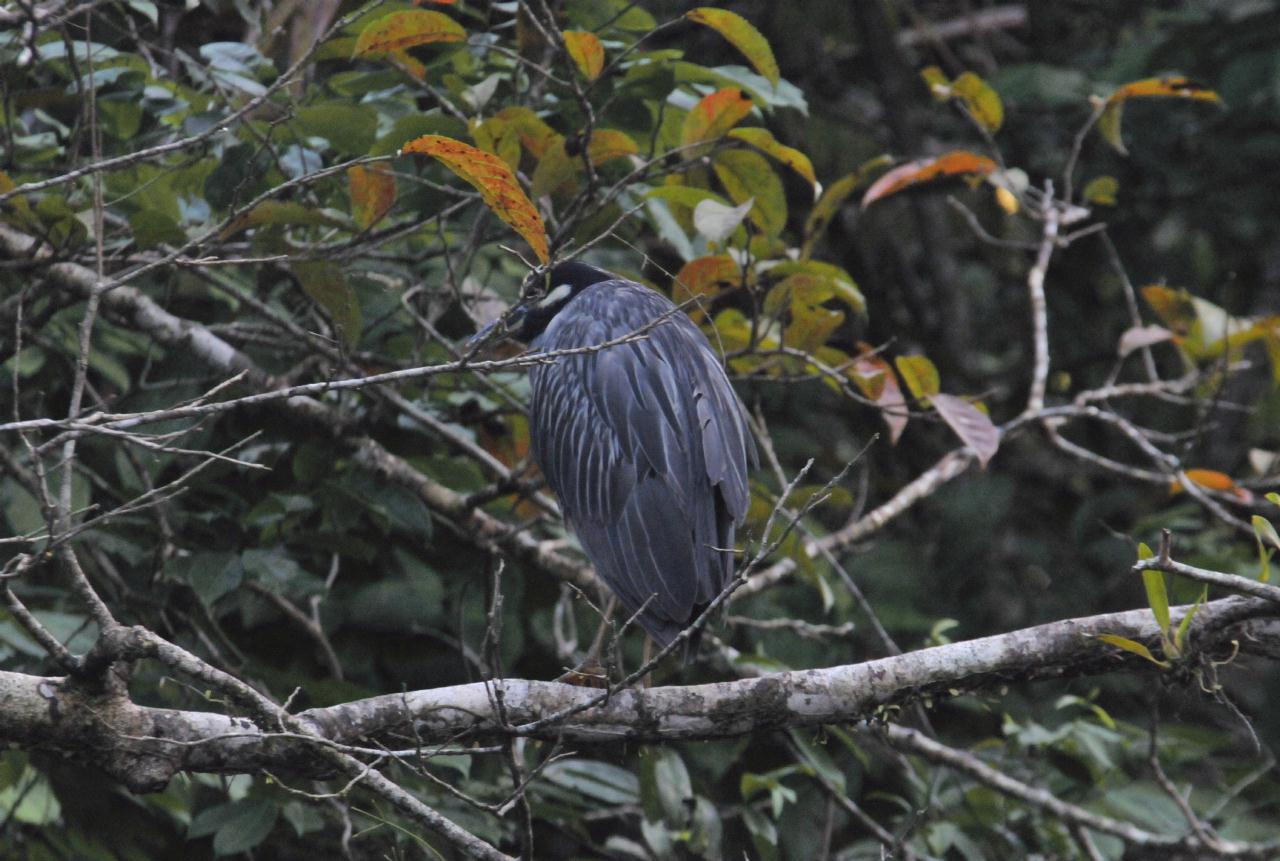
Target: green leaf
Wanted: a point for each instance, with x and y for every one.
(151, 228)
(210, 574)
(742, 35)
(920, 374)
(1273, 498)
(1132, 646)
(1101, 190)
(349, 128)
(327, 286)
(664, 786)
(1144, 552)
(236, 826)
(1266, 534)
(746, 175)
(763, 140)
(1180, 637)
(1157, 598)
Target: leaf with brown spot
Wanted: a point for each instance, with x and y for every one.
(373, 193)
(712, 117)
(401, 30)
(495, 181)
(586, 52)
(971, 424)
(911, 174)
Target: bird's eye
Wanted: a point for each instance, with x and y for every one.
(559, 294)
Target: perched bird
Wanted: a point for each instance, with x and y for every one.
(645, 442)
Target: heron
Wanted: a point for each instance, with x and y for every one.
(644, 441)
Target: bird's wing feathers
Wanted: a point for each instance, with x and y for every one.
(637, 439)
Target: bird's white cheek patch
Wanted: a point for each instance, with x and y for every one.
(556, 296)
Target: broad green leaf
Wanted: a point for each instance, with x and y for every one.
(1132, 646)
(280, 212)
(327, 286)
(746, 175)
(972, 425)
(763, 140)
(494, 180)
(401, 30)
(151, 227)
(742, 35)
(920, 374)
(1157, 598)
(351, 129)
(586, 51)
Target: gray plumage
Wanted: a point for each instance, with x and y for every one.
(645, 443)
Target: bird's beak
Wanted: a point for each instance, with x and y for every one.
(486, 334)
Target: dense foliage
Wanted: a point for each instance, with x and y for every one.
(923, 253)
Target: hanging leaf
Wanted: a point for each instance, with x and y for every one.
(834, 198)
(327, 286)
(716, 221)
(763, 140)
(874, 376)
(495, 181)
(971, 424)
(920, 375)
(586, 51)
(1172, 86)
(749, 41)
(704, 278)
(712, 117)
(980, 100)
(401, 30)
(959, 163)
(373, 193)
(835, 279)
(1101, 190)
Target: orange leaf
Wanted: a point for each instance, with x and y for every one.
(1211, 479)
(712, 117)
(742, 35)
(373, 192)
(958, 163)
(406, 29)
(1175, 308)
(875, 377)
(1171, 86)
(704, 277)
(494, 180)
(586, 51)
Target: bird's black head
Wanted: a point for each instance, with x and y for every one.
(544, 294)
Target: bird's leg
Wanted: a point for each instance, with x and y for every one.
(591, 673)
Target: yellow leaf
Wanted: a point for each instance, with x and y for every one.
(937, 82)
(1170, 86)
(746, 175)
(1006, 200)
(1131, 646)
(401, 30)
(373, 193)
(982, 102)
(608, 144)
(742, 35)
(958, 163)
(763, 140)
(920, 375)
(1102, 190)
(586, 51)
(495, 181)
